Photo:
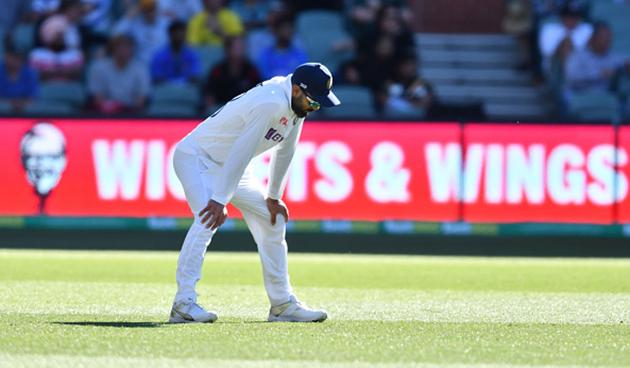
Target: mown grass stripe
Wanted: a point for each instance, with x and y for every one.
(68, 361)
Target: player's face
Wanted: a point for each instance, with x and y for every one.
(302, 104)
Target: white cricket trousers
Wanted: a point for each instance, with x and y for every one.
(196, 173)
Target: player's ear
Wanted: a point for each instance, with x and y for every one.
(295, 90)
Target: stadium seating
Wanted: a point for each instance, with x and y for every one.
(176, 93)
(49, 108)
(356, 102)
(24, 37)
(623, 85)
(320, 31)
(314, 21)
(70, 93)
(471, 76)
(594, 106)
(623, 89)
(470, 68)
(170, 110)
(5, 107)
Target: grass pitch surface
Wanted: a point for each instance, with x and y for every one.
(107, 309)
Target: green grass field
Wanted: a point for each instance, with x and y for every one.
(97, 309)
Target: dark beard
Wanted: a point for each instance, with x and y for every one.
(298, 112)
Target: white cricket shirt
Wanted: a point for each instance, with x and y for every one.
(248, 125)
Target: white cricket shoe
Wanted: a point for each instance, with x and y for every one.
(295, 311)
(190, 312)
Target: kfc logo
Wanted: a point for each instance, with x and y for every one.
(43, 153)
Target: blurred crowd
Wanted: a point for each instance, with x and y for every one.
(192, 56)
(122, 52)
(569, 46)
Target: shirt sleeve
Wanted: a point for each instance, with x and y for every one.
(231, 23)
(280, 161)
(550, 37)
(242, 152)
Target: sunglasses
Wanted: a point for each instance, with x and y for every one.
(311, 102)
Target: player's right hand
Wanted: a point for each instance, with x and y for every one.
(213, 215)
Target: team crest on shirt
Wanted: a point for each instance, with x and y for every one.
(283, 121)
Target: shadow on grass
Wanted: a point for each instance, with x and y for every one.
(114, 324)
(124, 324)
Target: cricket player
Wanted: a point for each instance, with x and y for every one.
(211, 163)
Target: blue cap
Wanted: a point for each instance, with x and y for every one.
(316, 80)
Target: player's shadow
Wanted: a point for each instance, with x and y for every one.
(123, 324)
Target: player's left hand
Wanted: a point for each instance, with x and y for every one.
(276, 207)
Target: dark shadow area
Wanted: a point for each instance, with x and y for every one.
(123, 324)
(232, 322)
(421, 244)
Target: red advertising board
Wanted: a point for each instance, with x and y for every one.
(623, 207)
(112, 168)
(519, 173)
(349, 171)
(123, 168)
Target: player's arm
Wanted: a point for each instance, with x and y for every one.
(240, 155)
(279, 168)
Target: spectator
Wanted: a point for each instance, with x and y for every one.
(550, 8)
(253, 13)
(234, 75)
(41, 9)
(176, 62)
(519, 21)
(408, 94)
(595, 67)
(60, 56)
(147, 28)
(213, 24)
(377, 67)
(349, 73)
(283, 56)
(18, 81)
(119, 84)
(362, 14)
(179, 9)
(391, 23)
(260, 39)
(558, 39)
